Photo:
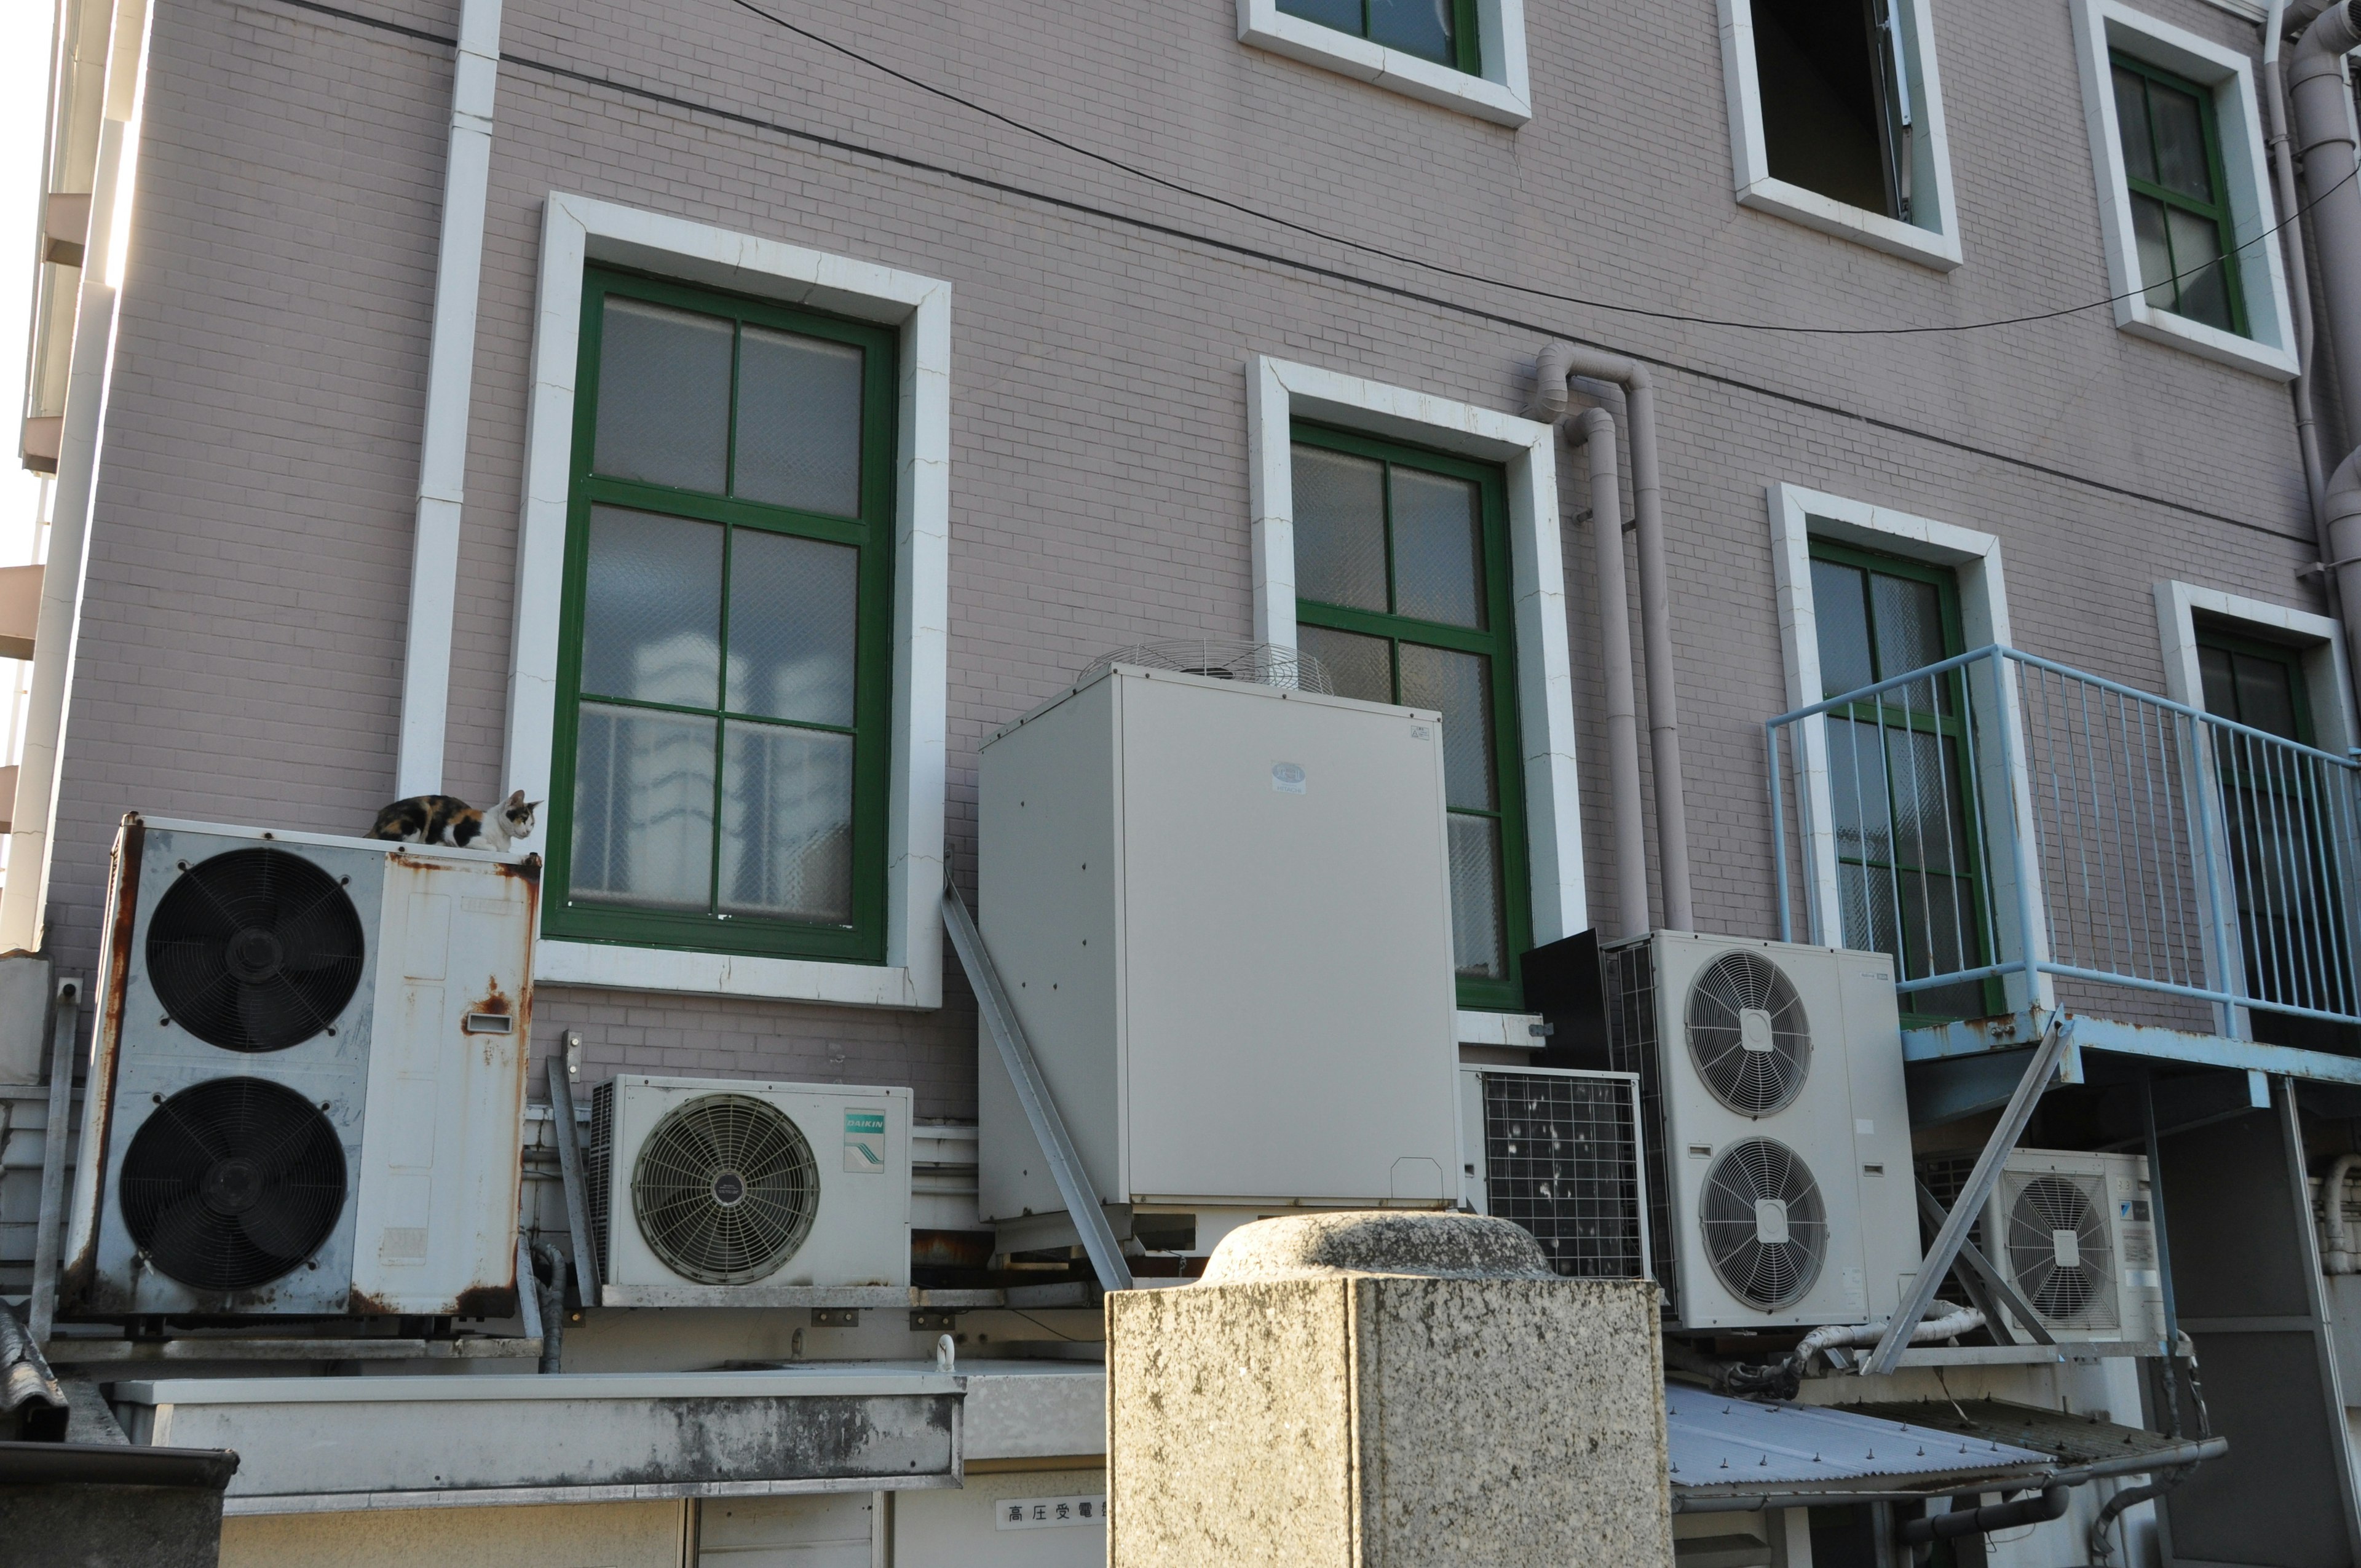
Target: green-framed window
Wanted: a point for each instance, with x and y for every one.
(724, 700)
(1401, 582)
(1909, 853)
(2180, 199)
(1444, 31)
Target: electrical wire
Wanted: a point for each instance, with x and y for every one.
(1531, 290)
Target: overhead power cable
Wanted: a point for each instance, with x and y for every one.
(1443, 270)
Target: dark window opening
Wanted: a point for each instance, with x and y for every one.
(1444, 31)
(1836, 115)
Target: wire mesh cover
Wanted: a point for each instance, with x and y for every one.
(725, 1189)
(1765, 1227)
(232, 1182)
(1562, 1159)
(255, 951)
(1224, 658)
(1748, 1033)
(2059, 1252)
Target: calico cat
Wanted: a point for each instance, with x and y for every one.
(447, 820)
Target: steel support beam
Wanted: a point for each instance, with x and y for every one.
(1992, 1279)
(41, 1310)
(577, 1189)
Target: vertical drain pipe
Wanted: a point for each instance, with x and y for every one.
(1557, 363)
(1595, 429)
(450, 385)
(2307, 423)
(2323, 127)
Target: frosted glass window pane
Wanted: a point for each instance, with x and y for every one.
(2204, 289)
(2180, 161)
(2155, 251)
(1909, 637)
(787, 824)
(651, 609)
(1438, 548)
(1421, 27)
(799, 422)
(1478, 946)
(1342, 15)
(1340, 528)
(642, 809)
(1356, 666)
(2131, 118)
(791, 626)
(1456, 685)
(1841, 613)
(664, 396)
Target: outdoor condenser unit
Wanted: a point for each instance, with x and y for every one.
(722, 1183)
(1557, 1151)
(1223, 912)
(1778, 1134)
(307, 1078)
(2075, 1234)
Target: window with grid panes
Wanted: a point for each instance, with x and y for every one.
(1444, 31)
(2181, 203)
(1909, 853)
(723, 703)
(1401, 582)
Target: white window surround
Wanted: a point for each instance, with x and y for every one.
(1501, 95)
(1280, 392)
(2103, 27)
(1798, 517)
(1934, 245)
(576, 230)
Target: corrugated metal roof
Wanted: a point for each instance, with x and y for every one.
(1720, 1441)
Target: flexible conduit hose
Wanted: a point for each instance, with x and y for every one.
(2337, 1256)
(551, 1294)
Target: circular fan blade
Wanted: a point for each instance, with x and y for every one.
(255, 951)
(1764, 1224)
(1748, 1036)
(725, 1189)
(232, 1182)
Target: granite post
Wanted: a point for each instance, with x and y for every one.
(1386, 1390)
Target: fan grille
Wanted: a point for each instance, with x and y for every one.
(1748, 1035)
(232, 1182)
(2059, 1252)
(725, 1189)
(255, 951)
(1765, 1227)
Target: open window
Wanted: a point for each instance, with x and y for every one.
(1837, 120)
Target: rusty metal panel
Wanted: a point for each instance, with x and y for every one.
(437, 1189)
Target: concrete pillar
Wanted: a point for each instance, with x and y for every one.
(1386, 1390)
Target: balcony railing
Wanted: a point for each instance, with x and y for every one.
(1997, 819)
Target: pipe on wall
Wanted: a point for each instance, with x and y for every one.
(1555, 366)
(450, 384)
(2307, 423)
(1595, 429)
(2324, 143)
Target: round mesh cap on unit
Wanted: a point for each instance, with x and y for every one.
(255, 951)
(726, 1188)
(2059, 1250)
(1225, 659)
(1748, 1033)
(1765, 1227)
(232, 1182)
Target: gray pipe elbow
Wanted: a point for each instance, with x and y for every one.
(1551, 367)
(2336, 34)
(1590, 424)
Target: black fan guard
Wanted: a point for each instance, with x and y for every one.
(231, 1183)
(255, 951)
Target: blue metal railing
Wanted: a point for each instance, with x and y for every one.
(1996, 817)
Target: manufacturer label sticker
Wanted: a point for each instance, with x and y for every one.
(864, 1141)
(1287, 778)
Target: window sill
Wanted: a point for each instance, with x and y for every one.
(613, 967)
(1504, 103)
(1814, 211)
(2135, 317)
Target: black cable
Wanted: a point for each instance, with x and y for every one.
(1436, 267)
(1314, 270)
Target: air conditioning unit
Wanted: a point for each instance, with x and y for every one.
(725, 1184)
(1557, 1151)
(1777, 1132)
(308, 1078)
(2075, 1234)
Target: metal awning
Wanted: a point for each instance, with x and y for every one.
(2074, 1443)
(1722, 1444)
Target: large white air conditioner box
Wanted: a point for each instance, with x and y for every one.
(307, 1078)
(2074, 1233)
(719, 1183)
(1778, 1132)
(1223, 912)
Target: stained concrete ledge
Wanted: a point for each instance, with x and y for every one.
(1414, 1391)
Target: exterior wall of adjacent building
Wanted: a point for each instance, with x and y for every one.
(240, 655)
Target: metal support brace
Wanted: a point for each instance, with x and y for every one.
(1033, 1093)
(41, 1310)
(1990, 1277)
(577, 1192)
(1972, 1197)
